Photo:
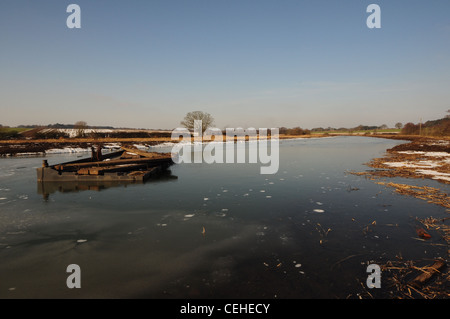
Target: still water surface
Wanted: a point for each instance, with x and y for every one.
(211, 231)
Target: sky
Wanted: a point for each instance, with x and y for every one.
(249, 63)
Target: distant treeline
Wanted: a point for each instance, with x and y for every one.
(129, 134)
(439, 127)
(62, 126)
(349, 130)
(56, 134)
(294, 131)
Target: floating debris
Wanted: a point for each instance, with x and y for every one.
(322, 232)
(438, 226)
(398, 278)
(427, 273)
(430, 194)
(422, 233)
(318, 211)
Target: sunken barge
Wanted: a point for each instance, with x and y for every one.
(126, 165)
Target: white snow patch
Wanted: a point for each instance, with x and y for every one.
(437, 154)
(411, 152)
(67, 150)
(419, 164)
(435, 174)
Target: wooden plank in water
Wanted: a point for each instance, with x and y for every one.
(89, 159)
(139, 152)
(428, 272)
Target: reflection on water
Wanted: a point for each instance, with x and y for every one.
(46, 188)
(216, 231)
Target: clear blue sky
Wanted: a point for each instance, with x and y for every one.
(250, 63)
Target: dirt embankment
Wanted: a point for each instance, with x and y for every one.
(14, 147)
(39, 146)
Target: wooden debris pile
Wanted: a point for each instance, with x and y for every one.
(407, 280)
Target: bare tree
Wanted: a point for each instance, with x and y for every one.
(190, 118)
(398, 125)
(80, 126)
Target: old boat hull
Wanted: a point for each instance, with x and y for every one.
(111, 167)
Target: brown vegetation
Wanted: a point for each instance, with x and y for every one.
(431, 128)
(411, 160)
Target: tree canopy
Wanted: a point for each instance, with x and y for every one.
(190, 118)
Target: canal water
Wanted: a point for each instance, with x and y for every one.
(211, 230)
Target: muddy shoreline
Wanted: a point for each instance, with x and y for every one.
(422, 158)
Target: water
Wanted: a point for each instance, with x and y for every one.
(211, 231)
